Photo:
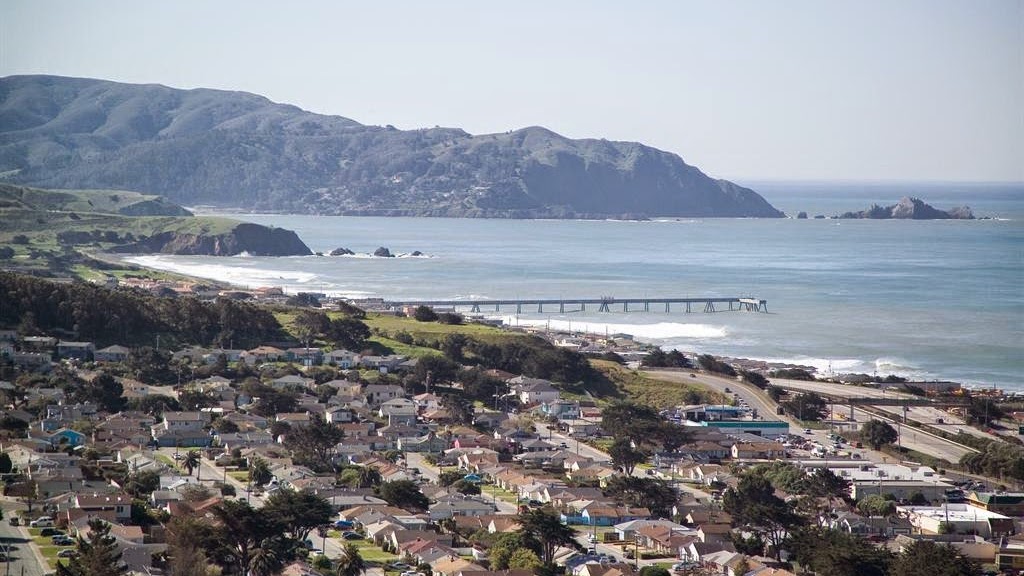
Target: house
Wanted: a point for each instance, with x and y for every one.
(400, 411)
(1008, 503)
(429, 443)
(180, 421)
(306, 356)
(343, 359)
(345, 387)
(561, 409)
(291, 381)
(760, 450)
(115, 353)
(119, 504)
(459, 506)
(262, 354)
(427, 402)
(533, 390)
(384, 364)
(338, 415)
(376, 394)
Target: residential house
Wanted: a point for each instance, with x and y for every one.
(759, 450)
(533, 390)
(119, 504)
(306, 356)
(384, 364)
(398, 411)
(561, 409)
(343, 359)
(115, 353)
(262, 354)
(291, 381)
(459, 506)
(376, 394)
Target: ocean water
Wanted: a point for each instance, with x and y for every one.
(928, 299)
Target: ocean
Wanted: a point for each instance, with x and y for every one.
(921, 299)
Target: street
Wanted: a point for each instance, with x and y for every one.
(22, 558)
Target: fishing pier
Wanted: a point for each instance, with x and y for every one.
(602, 304)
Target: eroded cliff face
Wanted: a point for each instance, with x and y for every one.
(247, 238)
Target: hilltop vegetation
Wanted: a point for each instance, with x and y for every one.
(241, 150)
(59, 232)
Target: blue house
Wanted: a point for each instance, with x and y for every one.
(67, 437)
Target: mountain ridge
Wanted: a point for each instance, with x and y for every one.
(241, 150)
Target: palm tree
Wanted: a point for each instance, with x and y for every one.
(191, 462)
(265, 562)
(259, 471)
(351, 563)
(369, 477)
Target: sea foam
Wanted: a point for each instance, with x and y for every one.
(656, 331)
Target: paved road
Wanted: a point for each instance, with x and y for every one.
(909, 437)
(23, 557)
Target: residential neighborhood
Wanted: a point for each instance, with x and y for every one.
(404, 462)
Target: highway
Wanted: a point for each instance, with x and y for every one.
(909, 437)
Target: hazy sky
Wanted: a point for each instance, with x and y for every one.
(855, 90)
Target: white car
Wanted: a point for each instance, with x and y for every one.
(41, 522)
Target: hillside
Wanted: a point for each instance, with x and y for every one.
(239, 150)
(55, 232)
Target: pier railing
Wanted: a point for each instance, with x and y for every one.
(603, 304)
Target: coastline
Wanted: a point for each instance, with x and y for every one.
(699, 330)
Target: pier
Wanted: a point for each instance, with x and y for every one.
(603, 304)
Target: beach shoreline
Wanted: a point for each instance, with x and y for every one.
(763, 364)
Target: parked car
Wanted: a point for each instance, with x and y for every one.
(51, 532)
(63, 540)
(401, 566)
(67, 553)
(14, 521)
(807, 431)
(352, 536)
(41, 522)
(343, 524)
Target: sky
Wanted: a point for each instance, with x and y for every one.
(797, 90)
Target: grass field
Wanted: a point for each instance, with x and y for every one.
(622, 382)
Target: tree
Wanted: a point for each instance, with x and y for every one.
(437, 369)
(625, 456)
(808, 406)
(753, 503)
(755, 378)
(460, 409)
(351, 562)
(259, 471)
(823, 483)
(837, 553)
(348, 333)
(775, 392)
(5, 463)
(982, 410)
(636, 422)
(104, 390)
(424, 314)
(313, 444)
(98, 554)
(876, 505)
(652, 493)
(506, 544)
(524, 559)
(192, 461)
(927, 558)
(466, 487)
(298, 512)
(877, 433)
(154, 404)
(142, 484)
(241, 531)
(544, 526)
(654, 571)
(404, 494)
